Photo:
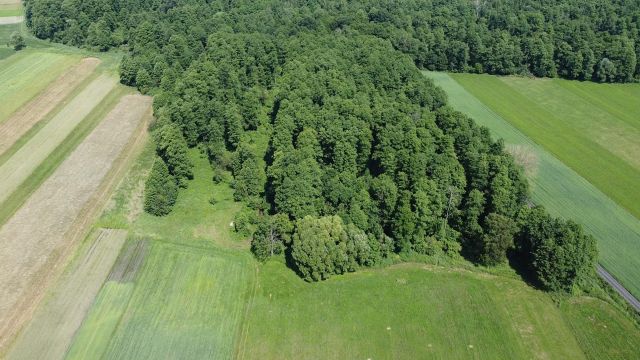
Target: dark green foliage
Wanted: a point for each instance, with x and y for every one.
(16, 41)
(323, 118)
(557, 252)
(497, 239)
(161, 190)
(172, 148)
(270, 236)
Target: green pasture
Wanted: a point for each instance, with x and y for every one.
(27, 73)
(555, 185)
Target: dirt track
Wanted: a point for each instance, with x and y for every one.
(34, 243)
(29, 115)
(11, 20)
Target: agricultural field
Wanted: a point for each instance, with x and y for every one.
(592, 128)
(563, 191)
(62, 207)
(50, 332)
(26, 74)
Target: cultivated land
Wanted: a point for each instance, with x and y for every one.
(18, 168)
(51, 330)
(35, 111)
(593, 128)
(556, 186)
(32, 255)
(26, 74)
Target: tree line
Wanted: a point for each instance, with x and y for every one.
(344, 153)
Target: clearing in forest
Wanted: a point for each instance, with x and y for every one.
(26, 74)
(555, 185)
(36, 110)
(51, 330)
(61, 208)
(21, 164)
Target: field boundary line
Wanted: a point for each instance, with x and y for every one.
(619, 288)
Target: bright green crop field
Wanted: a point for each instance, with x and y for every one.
(27, 73)
(563, 191)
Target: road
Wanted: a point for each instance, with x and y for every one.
(618, 287)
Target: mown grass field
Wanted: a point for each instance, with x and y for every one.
(27, 73)
(560, 189)
(592, 128)
(414, 311)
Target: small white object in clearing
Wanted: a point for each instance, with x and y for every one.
(428, 345)
(231, 224)
(388, 327)
(470, 346)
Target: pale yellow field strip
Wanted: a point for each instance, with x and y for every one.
(7, 20)
(36, 239)
(30, 114)
(35, 151)
(9, 2)
(51, 331)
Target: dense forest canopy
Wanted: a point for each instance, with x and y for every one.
(343, 151)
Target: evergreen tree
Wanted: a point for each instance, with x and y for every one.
(161, 190)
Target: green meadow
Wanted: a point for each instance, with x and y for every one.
(562, 190)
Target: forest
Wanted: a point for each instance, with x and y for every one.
(344, 153)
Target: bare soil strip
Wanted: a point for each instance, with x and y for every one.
(11, 20)
(35, 151)
(36, 241)
(51, 331)
(29, 115)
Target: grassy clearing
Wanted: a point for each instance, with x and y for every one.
(407, 311)
(184, 303)
(562, 191)
(26, 74)
(50, 332)
(193, 221)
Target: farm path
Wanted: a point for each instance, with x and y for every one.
(604, 274)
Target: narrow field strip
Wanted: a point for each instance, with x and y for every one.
(563, 191)
(26, 74)
(5, 20)
(30, 114)
(51, 330)
(184, 303)
(37, 236)
(16, 169)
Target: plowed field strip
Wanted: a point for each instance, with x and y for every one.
(51, 331)
(26, 160)
(26, 117)
(34, 241)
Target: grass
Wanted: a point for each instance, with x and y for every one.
(185, 303)
(600, 330)
(26, 74)
(193, 221)
(559, 188)
(408, 311)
